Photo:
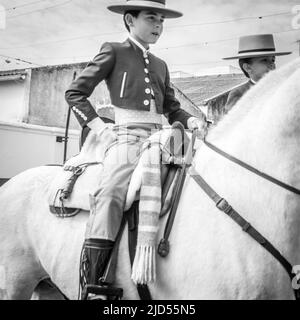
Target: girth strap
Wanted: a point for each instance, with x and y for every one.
(224, 206)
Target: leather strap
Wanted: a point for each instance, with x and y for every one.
(164, 246)
(77, 171)
(250, 168)
(224, 206)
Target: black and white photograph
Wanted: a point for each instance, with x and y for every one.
(150, 151)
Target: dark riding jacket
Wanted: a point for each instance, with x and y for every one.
(236, 94)
(124, 69)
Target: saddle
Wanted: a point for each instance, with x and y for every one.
(80, 179)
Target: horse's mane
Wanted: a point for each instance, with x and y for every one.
(254, 99)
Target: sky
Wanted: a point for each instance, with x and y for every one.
(52, 32)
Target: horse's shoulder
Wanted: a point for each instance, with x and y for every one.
(34, 176)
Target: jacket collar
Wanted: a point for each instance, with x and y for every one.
(138, 45)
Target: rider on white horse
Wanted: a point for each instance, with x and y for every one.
(139, 86)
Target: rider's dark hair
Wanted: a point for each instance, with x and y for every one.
(134, 13)
(241, 62)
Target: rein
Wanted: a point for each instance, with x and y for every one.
(250, 168)
(225, 207)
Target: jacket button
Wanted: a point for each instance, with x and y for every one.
(146, 70)
(147, 61)
(147, 90)
(146, 103)
(147, 80)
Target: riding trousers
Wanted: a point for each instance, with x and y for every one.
(108, 201)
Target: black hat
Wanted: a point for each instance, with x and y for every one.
(154, 5)
(257, 45)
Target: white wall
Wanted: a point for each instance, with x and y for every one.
(12, 100)
(24, 146)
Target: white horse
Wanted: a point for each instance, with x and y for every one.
(210, 256)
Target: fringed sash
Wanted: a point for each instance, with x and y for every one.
(143, 270)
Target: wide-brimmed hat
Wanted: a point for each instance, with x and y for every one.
(154, 5)
(258, 45)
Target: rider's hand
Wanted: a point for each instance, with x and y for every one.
(102, 130)
(201, 125)
(96, 125)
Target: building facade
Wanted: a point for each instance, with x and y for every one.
(33, 116)
(209, 93)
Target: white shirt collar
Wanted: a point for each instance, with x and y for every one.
(138, 44)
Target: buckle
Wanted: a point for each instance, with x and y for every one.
(224, 206)
(163, 248)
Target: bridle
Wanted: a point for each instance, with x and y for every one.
(225, 207)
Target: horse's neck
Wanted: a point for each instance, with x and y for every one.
(263, 129)
(267, 137)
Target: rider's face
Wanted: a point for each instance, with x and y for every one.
(147, 27)
(259, 66)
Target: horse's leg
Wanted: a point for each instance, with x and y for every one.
(20, 272)
(20, 277)
(46, 291)
(20, 269)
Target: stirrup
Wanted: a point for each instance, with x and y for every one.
(112, 293)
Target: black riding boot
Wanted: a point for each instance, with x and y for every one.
(94, 258)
